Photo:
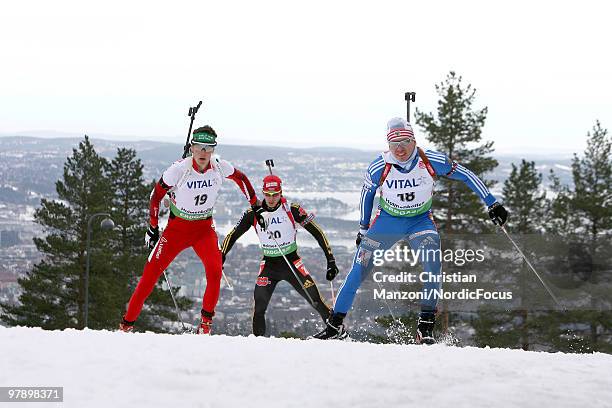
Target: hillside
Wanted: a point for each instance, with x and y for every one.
(102, 369)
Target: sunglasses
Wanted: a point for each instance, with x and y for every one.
(204, 148)
(402, 143)
(271, 193)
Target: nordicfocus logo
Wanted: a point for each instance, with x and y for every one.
(160, 246)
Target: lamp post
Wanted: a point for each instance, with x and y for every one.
(106, 224)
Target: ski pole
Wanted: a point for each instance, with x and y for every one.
(178, 314)
(227, 282)
(331, 285)
(532, 268)
(397, 323)
(192, 112)
(170, 288)
(389, 307)
(409, 97)
(312, 302)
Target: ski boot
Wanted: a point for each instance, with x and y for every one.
(206, 324)
(126, 326)
(334, 329)
(424, 334)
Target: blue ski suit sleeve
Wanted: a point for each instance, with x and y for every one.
(444, 166)
(368, 191)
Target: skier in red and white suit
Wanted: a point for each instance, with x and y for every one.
(193, 186)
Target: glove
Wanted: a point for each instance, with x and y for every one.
(151, 237)
(360, 234)
(498, 214)
(332, 270)
(259, 210)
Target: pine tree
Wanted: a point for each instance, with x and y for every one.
(495, 328)
(579, 221)
(559, 217)
(54, 291)
(592, 175)
(526, 201)
(592, 205)
(457, 131)
(131, 214)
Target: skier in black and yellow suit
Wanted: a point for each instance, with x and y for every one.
(281, 223)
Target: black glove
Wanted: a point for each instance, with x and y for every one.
(498, 214)
(151, 237)
(259, 210)
(360, 234)
(332, 269)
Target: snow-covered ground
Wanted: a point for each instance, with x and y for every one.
(110, 369)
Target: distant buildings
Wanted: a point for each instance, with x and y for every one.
(9, 238)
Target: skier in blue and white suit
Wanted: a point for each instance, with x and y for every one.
(405, 176)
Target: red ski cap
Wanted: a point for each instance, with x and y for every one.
(272, 184)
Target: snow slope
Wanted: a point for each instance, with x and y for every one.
(109, 369)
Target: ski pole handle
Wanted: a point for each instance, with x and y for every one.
(192, 112)
(194, 109)
(270, 164)
(409, 97)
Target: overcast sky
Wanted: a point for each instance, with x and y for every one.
(315, 73)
